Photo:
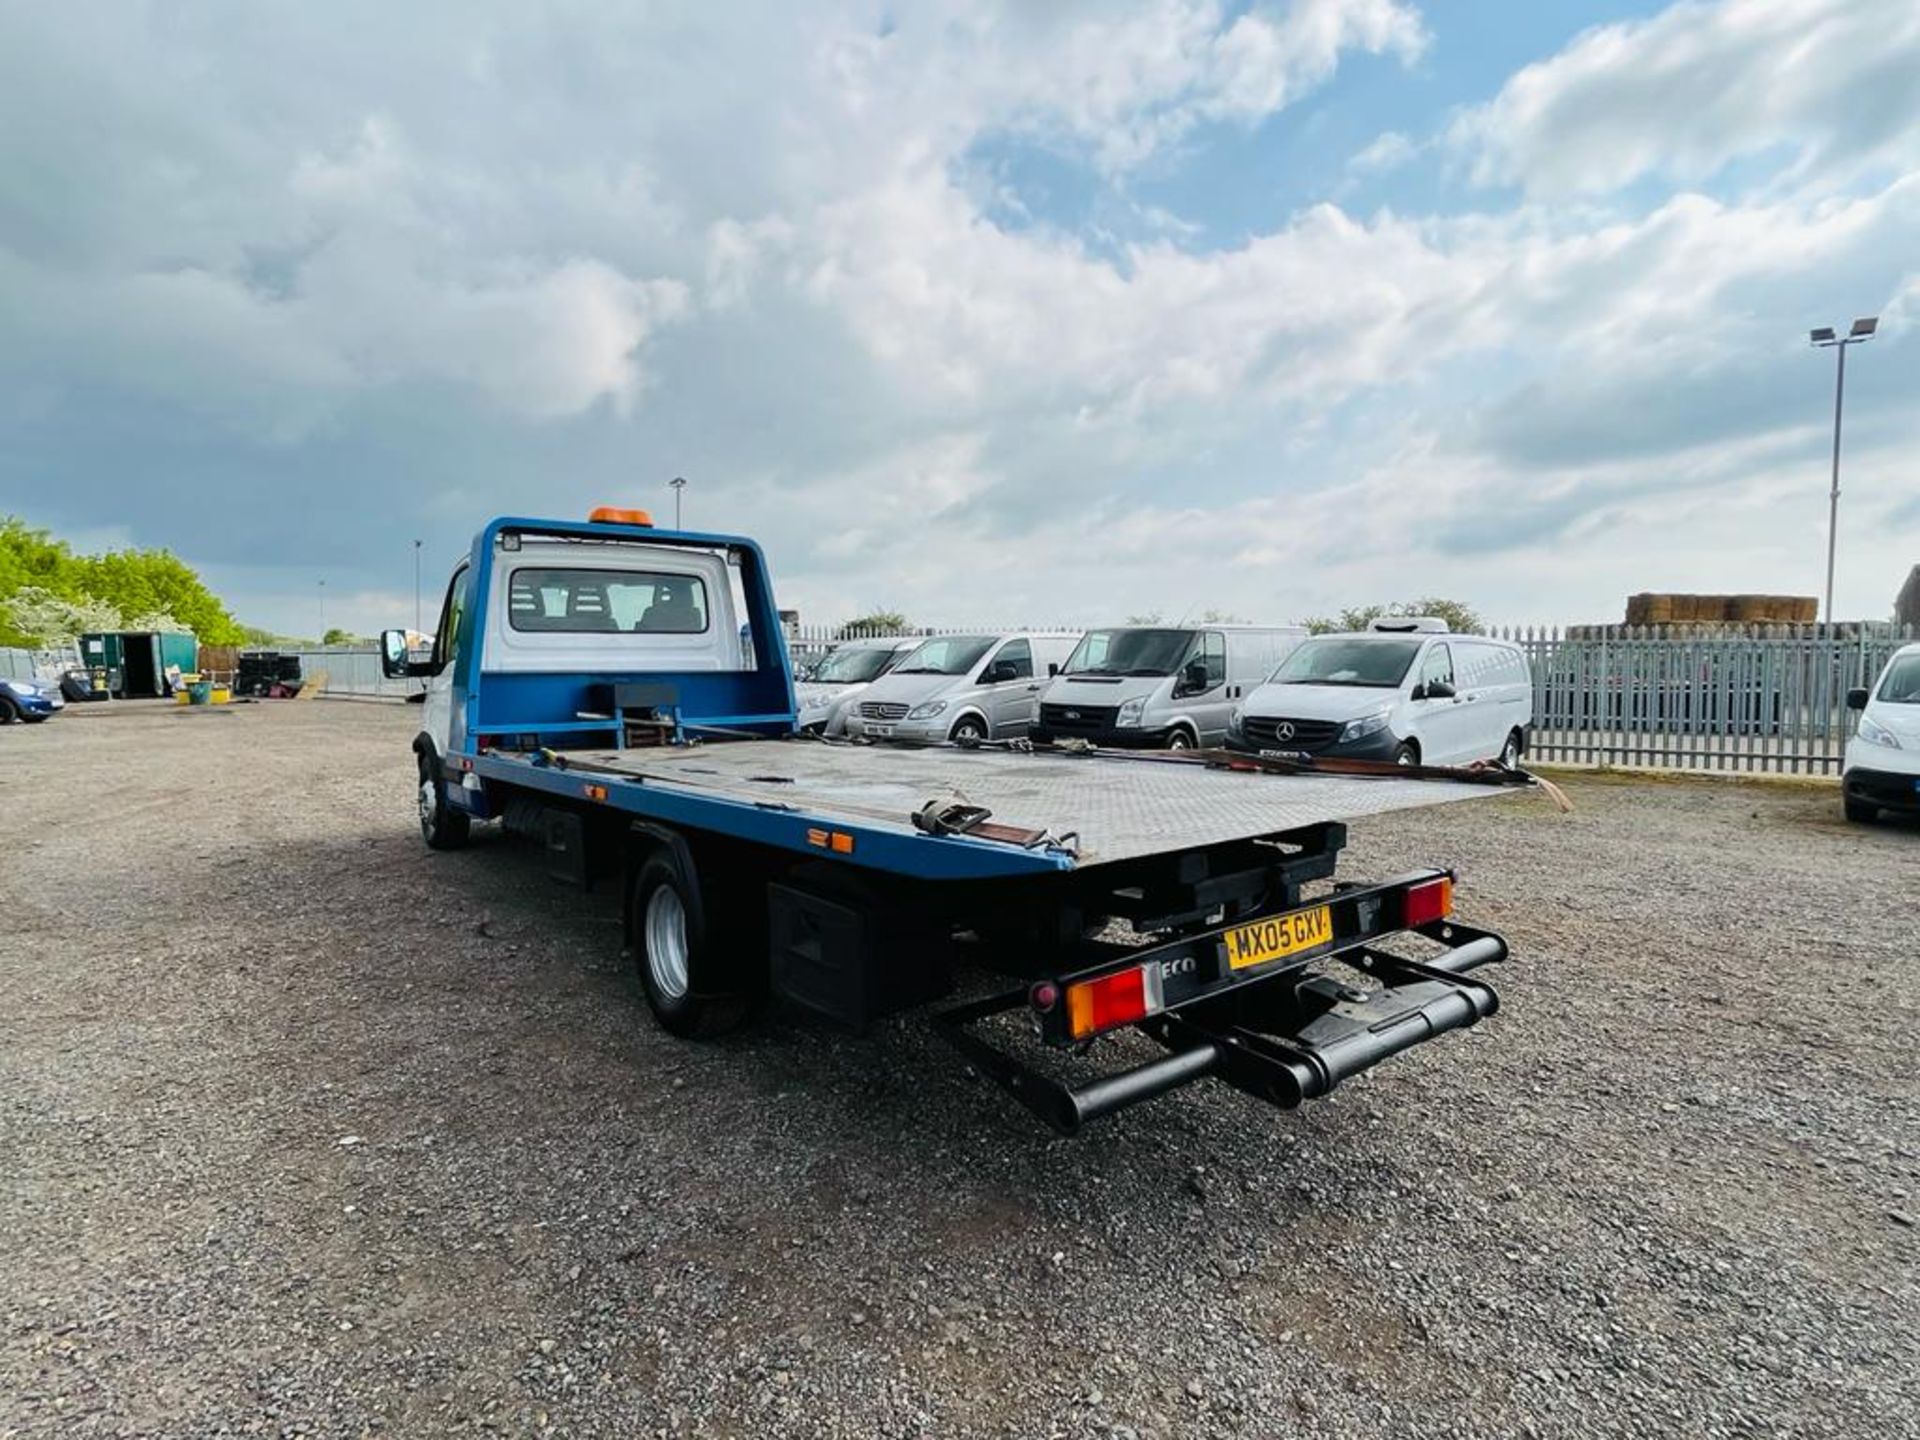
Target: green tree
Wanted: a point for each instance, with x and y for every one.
(880, 622)
(119, 589)
(337, 636)
(1460, 616)
(37, 619)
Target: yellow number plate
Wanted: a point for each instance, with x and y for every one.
(1279, 937)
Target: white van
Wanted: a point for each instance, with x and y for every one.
(1882, 766)
(962, 687)
(826, 696)
(1405, 690)
(1158, 685)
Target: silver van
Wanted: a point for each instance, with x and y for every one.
(962, 687)
(827, 693)
(1157, 685)
(1404, 690)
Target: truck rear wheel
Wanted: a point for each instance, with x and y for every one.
(672, 947)
(441, 826)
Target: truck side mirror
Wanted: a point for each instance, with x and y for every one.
(1052, 669)
(393, 654)
(1000, 672)
(1436, 690)
(1193, 678)
(1857, 698)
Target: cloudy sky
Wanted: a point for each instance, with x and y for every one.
(973, 310)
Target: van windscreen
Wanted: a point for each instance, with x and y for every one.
(1347, 660)
(1128, 652)
(851, 665)
(1902, 685)
(947, 655)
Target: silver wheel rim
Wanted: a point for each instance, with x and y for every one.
(1510, 753)
(969, 730)
(427, 801)
(1178, 741)
(1403, 757)
(666, 935)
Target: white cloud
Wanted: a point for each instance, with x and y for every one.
(1700, 86)
(1387, 151)
(1122, 83)
(501, 260)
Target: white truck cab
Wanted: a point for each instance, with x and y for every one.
(573, 607)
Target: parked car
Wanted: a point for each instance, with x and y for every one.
(962, 687)
(1405, 690)
(1156, 685)
(826, 696)
(77, 685)
(29, 700)
(1881, 770)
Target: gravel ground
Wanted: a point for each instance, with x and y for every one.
(308, 1131)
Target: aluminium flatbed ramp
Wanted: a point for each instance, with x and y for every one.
(1120, 807)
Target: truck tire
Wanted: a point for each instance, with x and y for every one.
(441, 826)
(9, 712)
(1511, 751)
(1406, 753)
(968, 730)
(1180, 738)
(671, 939)
(1861, 812)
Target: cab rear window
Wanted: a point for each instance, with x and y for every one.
(595, 602)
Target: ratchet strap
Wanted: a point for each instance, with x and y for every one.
(951, 817)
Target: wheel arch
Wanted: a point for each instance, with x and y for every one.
(971, 710)
(644, 840)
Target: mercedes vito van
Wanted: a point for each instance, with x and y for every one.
(962, 687)
(1882, 766)
(826, 696)
(1156, 685)
(1406, 690)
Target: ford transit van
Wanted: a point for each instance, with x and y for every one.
(1157, 685)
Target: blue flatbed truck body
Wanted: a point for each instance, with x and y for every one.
(852, 879)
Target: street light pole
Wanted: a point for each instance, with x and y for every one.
(1826, 339)
(678, 485)
(323, 612)
(416, 587)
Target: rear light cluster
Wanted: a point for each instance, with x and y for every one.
(1111, 1000)
(1429, 902)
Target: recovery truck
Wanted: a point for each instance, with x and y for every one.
(622, 695)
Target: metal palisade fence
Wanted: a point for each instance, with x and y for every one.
(1758, 698)
(1769, 699)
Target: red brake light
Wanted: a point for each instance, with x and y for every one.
(1117, 999)
(1430, 901)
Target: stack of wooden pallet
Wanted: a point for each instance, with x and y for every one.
(1650, 609)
